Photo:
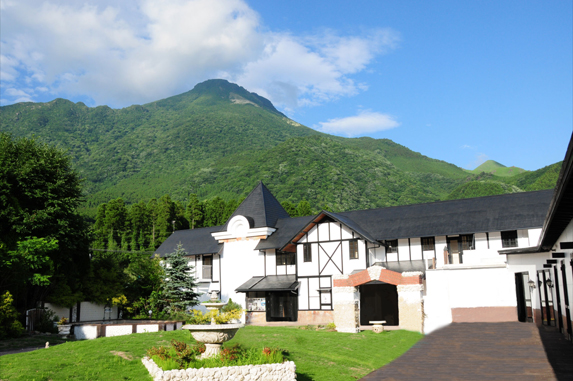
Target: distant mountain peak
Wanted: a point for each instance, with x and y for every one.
(497, 169)
(225, 90)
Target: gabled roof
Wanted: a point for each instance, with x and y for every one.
(472, 215)
(270, 283)
(261, 207)
(287, 228)
(194, 242)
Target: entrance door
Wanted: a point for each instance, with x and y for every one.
(523, 294)
(282, 306)
(546, 297)
(379, 302)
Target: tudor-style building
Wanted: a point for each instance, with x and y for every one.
(419, 267)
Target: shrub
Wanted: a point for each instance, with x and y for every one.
(231, 306)
(46, 322)
(182, 356)
(9, 324)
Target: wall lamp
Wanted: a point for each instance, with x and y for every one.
(549, 283)
(531, 284)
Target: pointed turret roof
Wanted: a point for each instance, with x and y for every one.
(261, 207)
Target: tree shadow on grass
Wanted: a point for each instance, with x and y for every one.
(303, 377)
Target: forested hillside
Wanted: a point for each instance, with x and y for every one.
(219, 140)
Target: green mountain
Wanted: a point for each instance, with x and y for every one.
(497, 169)
(220, 139)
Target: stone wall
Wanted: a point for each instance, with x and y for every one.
(304, 318)
(345, 301)
(267, 372)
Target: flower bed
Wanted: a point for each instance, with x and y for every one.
(181, 361)
(279, 372)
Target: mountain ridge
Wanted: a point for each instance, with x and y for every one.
(220, 139)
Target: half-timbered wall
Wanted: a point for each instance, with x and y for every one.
(329, 245)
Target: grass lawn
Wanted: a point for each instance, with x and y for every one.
(319, 355)
(38, 341)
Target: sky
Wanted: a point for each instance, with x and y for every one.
(459, 81)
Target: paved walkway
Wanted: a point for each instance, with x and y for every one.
(484, 351)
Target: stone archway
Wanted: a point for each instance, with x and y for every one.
(345, 297)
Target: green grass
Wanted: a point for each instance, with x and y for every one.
(37, 341)
(319, 355)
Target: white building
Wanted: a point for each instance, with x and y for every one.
(419, 266)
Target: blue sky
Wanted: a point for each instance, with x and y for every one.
(460, 81)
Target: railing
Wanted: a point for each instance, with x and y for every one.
(207, 272)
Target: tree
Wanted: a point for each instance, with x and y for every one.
(290, 208)
(194, 212)
(303, 209)
(215, 211)
(39, 197)
(179, 285)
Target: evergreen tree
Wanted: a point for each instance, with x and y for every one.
(194, 212)
(215, 211)
(303, 209)
(179, 284)
(290, 208)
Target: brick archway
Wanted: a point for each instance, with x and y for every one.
(346, 297)
(381, 274)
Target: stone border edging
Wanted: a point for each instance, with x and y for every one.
(265, 372)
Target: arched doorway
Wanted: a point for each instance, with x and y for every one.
(378, 301)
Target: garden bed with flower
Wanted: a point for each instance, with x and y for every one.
(182, 361)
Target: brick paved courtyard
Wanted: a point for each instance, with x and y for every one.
(484, 351)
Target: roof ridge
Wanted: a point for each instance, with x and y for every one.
(449, 201)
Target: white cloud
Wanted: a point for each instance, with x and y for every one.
(120, 53)
(366, 122)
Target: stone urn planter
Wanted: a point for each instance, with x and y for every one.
(64, 329)
(213, 335)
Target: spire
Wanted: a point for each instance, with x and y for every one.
(261, 207)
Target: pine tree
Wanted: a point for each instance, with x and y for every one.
(194, 212)
(179, 284)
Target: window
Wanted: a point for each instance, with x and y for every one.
(307, 252)
(207, 272)
(509, 238)
(467, 241)
(428, 243)
(392, 246)
(353, 248)
(285, 258)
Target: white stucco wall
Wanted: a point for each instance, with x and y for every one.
(465, 288)
(85, 332)
(239, 263)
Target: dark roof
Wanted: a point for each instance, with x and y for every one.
(287, 228)
(350, 224)
(400, 266)
(472, 215)
(561, 208)
(521, 250)
(194, 241)
(405, 266)
(270, 283)
(261, 207)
